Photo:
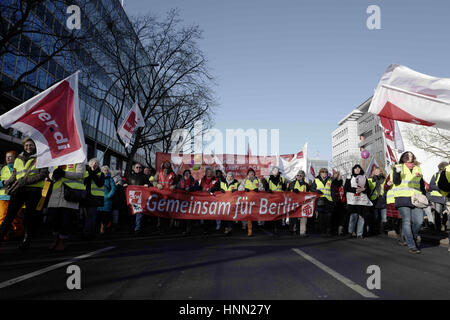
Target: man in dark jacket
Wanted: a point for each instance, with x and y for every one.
(25, 187)
(137, 178)
(322, 185)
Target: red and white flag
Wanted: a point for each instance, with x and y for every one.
(52, 120)
(406, 95)
(372, 165)
(310, 174)
(133, 120)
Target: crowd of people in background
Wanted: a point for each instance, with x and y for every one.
(92, 198)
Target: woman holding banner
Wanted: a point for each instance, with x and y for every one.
(298, 185)
(322, 185)
(230, 185)
(249, 184)
(188, 184)
(210, 184)
(276, 183)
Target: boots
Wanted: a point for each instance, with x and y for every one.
(26, 243)
(54, 243)
(60, 246)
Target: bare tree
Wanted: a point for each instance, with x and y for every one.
(160, 65)
(432, 140)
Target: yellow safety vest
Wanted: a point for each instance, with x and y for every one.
(410, 182)
(5, 175)
(151, 178)
(72, 184)
(232, 186)
(372, 186)
(325, 189)
(95, 190)
(447, 175)
(276, 187)
(301, 188)
(251, 185)
(390, 198)
(21, 170)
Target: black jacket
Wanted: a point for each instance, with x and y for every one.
(276, 180)
(302, 183)
(443, 183)
(137, 179)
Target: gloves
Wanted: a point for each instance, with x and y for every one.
(223, 191)
(296, 191)
(247, 190)
(58, 173)
(234, 190)
(270, 191)
(256, 190)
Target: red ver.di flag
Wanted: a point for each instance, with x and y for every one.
(52, 120)
(133, 120)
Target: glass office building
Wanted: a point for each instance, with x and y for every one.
(97, 120)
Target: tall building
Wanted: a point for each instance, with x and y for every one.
(97, 121)
(345, 143)
(370, 133)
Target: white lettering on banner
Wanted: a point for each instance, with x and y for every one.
(58, 136)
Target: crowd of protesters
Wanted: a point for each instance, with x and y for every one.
(93, 197)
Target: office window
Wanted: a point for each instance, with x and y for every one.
(50, 81)
(42, 77)
(9, 64)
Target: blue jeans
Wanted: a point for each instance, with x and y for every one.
(382, 212)
(138, 222)
(351, 225)
(410, 232)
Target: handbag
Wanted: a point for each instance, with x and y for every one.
(419, 200)
(74, 195)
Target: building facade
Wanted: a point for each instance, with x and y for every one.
(345, 143)
(97, 121)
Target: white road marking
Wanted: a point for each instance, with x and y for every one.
(349, 283)
(50, 268)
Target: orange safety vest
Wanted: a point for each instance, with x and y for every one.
(166, 180)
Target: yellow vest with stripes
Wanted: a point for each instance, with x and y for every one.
(301, 188)
(276, 187)
(325, 189)
(5, 175)
(410, 182)
(232, 186)
(251, 185)
(21, 170)
(373, 189)
(95, 190)
(72, 184)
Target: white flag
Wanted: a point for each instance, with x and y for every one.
(406, 95)
(133, 120)
(52, 120)
(292, 163)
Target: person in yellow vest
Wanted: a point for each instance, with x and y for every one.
(25, 187)
(322, 185)
(229, 185)
(94, 181)
(249, 184)
(61, 211)
(438, 199)
(393, 216)
(358, 203)
(277, 183)
(6, 173)
(444, 180)
(298, 185)
(378, 198)
(408, 180)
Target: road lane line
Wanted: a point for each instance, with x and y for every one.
(349, 283)
(50, 268)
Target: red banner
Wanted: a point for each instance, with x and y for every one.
(232, 206)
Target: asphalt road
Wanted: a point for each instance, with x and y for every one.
(216, 267)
